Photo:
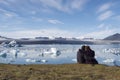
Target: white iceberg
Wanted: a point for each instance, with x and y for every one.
(30, 60)
(3, 54)
(10, 44)
(74, 60)
(36, 60)
(110, 62)
(14, 52)
(14, 44)
(21, 54)
(44, 61)
(53, 52)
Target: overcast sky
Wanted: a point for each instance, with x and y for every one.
(65, 18)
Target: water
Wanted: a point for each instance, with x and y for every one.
(41, 54)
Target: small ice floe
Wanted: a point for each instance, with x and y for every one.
(75, 60)
(110, 62)
(44, 61)
(14, 52)
(3, 54)
(30, 60)
(21, 54)
(53, 52)
(34, 60)
(38, 61)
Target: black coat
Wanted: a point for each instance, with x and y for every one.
(80, 56)
(89, 57)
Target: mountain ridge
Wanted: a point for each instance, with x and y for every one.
(113, 37)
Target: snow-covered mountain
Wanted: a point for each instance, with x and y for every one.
(4, 38)
(113, 37)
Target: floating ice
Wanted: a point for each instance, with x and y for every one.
(4, 44)
(109, 60)
(75, 60)
(14, 44)
(3, 54)
(14, 52)
(44, 61)
(21, 54)
(53, 52)
(34, 60)
(10, 44)
(30, 60)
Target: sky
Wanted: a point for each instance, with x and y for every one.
(59, 18)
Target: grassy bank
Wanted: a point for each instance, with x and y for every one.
(59, 72)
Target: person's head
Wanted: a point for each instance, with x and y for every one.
(83, 47)
(87, 48)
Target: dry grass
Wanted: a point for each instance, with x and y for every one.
(59, 72)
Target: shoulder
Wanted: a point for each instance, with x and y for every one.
(79, 51)
(92, 51)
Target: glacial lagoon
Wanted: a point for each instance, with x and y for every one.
(57, 54)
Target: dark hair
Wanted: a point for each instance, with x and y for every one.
(87, 48)
(83, 47)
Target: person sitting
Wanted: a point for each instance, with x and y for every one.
(89, 55)
(80, 55)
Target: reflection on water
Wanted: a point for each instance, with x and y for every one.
(55, 54)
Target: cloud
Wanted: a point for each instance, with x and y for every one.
(105, 15)
(78, 4)
(37, 19)
(22, 33)
(61, 5)
(104, 26)
(33, 6)
(37, 33)
(101, 26)
(117, 17)
(53, 21)
(36, 8)
(4, 2)
(8, 14)
(27, 33)
(104, 7)
(100, 34)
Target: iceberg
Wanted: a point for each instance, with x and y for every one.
(14, 52)
(53, 52)
(4, 44)
(21, 54)
(30, 60)
(3, 54)
(44, 61)
(110, 62)
(35, 60)
(74, 60)
(10, 44)
(14, 44)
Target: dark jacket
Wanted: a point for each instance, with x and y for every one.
(80, 56)
(89, 57)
